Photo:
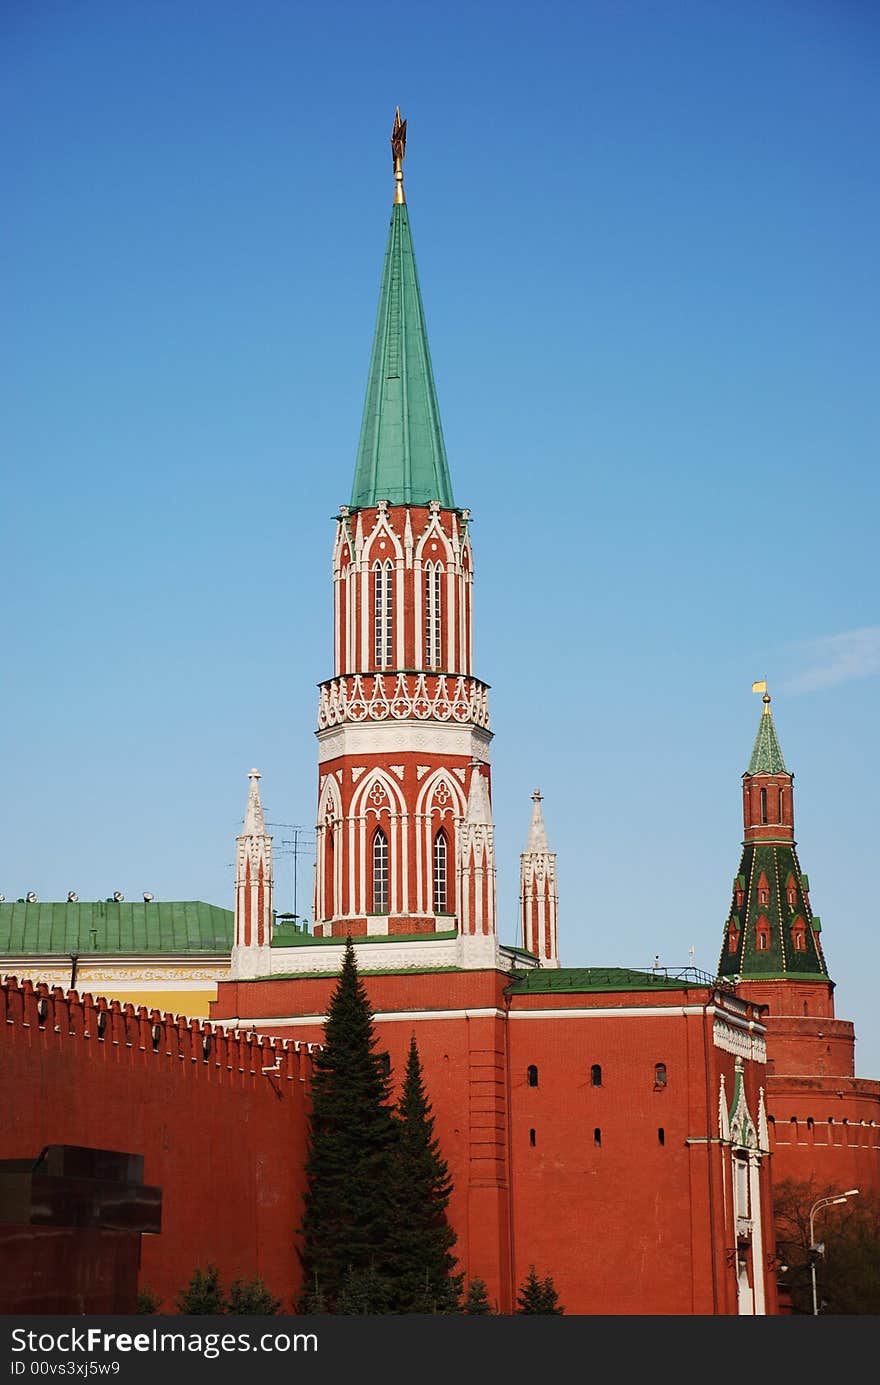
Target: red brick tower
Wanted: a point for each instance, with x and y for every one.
(824, 1122)
(404, 830)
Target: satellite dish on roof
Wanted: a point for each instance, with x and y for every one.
(2, 899)
(118, 896)
(72, 896)
(148, 898)
(31, 897)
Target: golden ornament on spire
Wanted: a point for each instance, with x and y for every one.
(761, 687)
(398, 149)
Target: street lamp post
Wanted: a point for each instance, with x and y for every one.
(817, 1250)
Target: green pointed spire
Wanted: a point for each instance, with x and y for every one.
(401, 455)
(766, 754)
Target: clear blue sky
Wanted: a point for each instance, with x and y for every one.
(647, 239)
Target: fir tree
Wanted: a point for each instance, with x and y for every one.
(538, 1295)
(147, 1301)
(424, 1278)
(251, 1296)
(202, 1294)
(477, 1298)
(346, 1228)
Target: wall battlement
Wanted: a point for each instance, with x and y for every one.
(124, 1033)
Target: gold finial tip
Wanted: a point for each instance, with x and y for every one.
(766, 697)
(398, 150)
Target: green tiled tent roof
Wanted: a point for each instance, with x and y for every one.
(766, 752)
(105, 926)
(776, 863)
(401, 455)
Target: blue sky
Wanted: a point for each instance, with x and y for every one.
(646, 235)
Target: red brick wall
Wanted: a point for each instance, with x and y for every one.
(224, 1142)
(628, 1227)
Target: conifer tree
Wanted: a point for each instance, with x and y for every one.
(347, 1219)
(251, 1296)
(147, 1301)
(202, 1294)
(538, 1295)
(477, 1298)
(424, 1266)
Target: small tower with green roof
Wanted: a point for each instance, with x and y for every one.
(771, 932)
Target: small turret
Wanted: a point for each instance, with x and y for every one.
(254, 887)
(538, 899)
(477, 871)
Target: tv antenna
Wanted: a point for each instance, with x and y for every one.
(302, 843)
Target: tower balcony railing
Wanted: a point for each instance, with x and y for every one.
(403, 695)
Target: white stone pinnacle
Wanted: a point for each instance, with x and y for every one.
(537, 832)
(254, 821)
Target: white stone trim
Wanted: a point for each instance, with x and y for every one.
(366, 739)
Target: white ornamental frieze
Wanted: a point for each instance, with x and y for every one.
(739, 1041)
(372, 698)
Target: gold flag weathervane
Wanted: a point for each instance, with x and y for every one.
(398, 150)
(761, 687)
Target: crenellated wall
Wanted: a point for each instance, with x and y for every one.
(219, 1116)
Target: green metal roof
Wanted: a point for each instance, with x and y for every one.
(600, 979)
(766, 754)
(108, 926)
(401, 455)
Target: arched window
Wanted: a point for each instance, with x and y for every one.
(440, 861)
(597, 1137)
(329, 873)
(433, 608)
(532, 1075)
(380, 872)
(532, 1138)
(383, 607)
(596, 1074)
(659, 1074)
(763, 806)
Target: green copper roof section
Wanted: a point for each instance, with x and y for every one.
(766, 754)
(401, 455)
(110, 927)
(544, 980)
(771, 931)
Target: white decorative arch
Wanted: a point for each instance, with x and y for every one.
(361, 803)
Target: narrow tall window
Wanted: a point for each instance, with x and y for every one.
(383, 609)
(329, 874)
(597, 1137)
(763, 806)
(780, 816)
(380, 872)
(532, 1075)
(432, 615)
(659, 1074)
(440, 857)
(596, 1075)
(661, 1135)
